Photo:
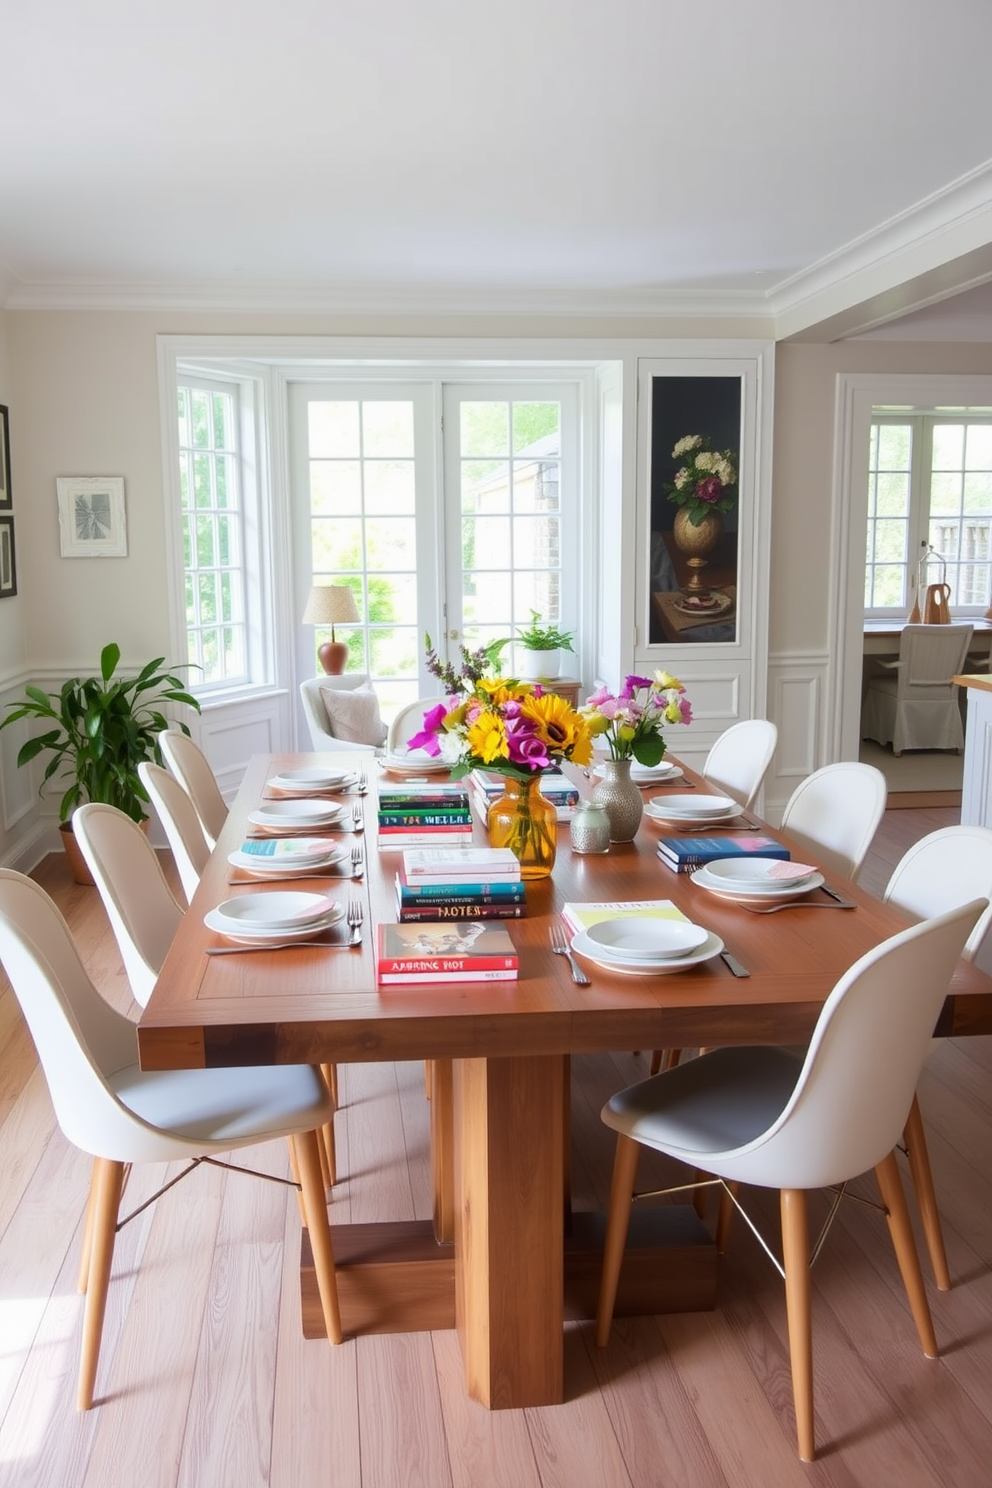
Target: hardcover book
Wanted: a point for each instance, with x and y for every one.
(468, 950)
(685, 854)
(554, 785)
(580, 916)
(444, 796)
(460, 892)
(450, 864)
(443, 909)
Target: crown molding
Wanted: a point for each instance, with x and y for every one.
(899, 266)
(315, 298)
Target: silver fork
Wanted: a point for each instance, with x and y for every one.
(357, 862)
(358, 818)
(362, 784)
(356, 917)
(560, 947)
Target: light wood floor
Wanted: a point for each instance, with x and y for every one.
(205, 1379)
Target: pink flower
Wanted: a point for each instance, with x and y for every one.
(709, 489)
(427, 738)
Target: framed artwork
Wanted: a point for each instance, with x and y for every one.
(694, 448)
(8, 565)
(91, 516)
(6, 500)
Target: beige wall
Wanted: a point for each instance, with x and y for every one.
(805, 389)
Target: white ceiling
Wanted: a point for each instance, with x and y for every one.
(826, 165)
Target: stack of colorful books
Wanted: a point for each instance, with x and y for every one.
(480, 883)
(420, 815)
(467, 952)
(487, 787)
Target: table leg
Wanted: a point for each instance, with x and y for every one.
(508, 1228)
(442, 1150)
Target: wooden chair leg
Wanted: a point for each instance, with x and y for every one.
(617, 1225)
(428, 1078)
(919, 1165)
(307, 1146)
(664, 1059)
(329, 1154)
(108, 1183)
(795, 1252)
(901, 1231)
(84, 1258)
(724, 1217)
(294, 1168)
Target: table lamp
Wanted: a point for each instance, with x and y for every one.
(331, 604)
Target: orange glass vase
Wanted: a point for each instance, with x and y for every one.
(527, 823)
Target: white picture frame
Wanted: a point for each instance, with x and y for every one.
(91, 516)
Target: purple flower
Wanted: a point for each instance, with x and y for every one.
(524, 747)
(427, 738)
(685, 708)
(709, 489)
(634, 684)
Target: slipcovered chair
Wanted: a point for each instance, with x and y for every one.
(920, 707)
(342, 712)
(775, 1119)
(835, 812)
(190, 766)
(739, 760)
(120, 1114)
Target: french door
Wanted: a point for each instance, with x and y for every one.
(448, 508)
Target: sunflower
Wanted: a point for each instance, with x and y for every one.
(558, 725)
(487, 737)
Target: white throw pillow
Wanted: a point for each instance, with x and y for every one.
(354, 716)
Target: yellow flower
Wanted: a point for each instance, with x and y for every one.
(559, 726)
(487, 737)
(665, 679)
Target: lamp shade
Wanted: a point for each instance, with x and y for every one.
(330, 604)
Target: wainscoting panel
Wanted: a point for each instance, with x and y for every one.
(795, 690)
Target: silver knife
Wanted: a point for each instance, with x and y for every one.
(732, 964)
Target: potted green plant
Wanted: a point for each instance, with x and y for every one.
(541, 645)
(101, 729)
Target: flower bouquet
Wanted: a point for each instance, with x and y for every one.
(706, 480)
(631, 721)
(514, 729)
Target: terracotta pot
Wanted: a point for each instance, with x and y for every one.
(77, 863)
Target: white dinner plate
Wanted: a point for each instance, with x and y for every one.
(613, 961)
(759, 875)
(414, 762)
(312, 779)
(743, 896)
(270, 937)
(646, 939)
(697, 807)
(649, 774)
(271, 910)
(297, 814)
(320, 856)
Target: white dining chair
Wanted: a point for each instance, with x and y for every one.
(187, 762)
(738, 761)
(120, 1114)
(775, 1119)
(342, 713)
(944, 869)
(920, 706)
(141, 908)
(144, 914)
(180, 823)
(409, 721)
(834, 814)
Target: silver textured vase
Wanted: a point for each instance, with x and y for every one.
(622, 799)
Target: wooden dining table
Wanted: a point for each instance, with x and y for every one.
(504, 1259)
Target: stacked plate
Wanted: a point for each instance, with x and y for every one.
(290, 815)
(649, 774)
(300, 857)
(760, 881)
(267, 917)
(304, 782)
(683, 809)
(646, 947)
(414, 762)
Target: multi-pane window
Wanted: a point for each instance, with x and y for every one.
(929, 499)
(213, 533)
(511, 518)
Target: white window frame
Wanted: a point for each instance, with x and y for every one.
(923, 421)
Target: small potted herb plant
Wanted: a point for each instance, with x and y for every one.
(99, 730)
(539, 648)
